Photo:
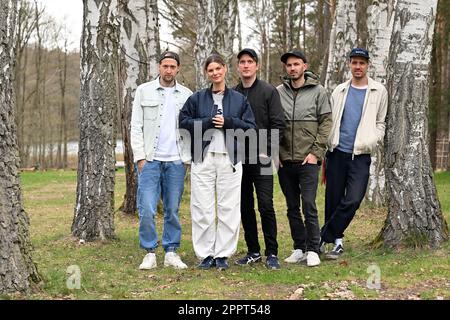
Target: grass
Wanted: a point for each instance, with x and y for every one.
(109, 270)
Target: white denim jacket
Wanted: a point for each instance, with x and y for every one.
(146, 119)
(372, 124)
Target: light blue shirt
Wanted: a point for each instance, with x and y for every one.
(350, 118)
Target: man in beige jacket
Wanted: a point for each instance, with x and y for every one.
(359, 108)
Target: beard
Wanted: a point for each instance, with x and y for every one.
(168, 79)
(295, 77)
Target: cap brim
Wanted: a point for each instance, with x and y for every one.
(285, 56)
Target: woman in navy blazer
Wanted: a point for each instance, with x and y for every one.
(211, 116)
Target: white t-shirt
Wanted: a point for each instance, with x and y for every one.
(167, 141)
(217, 144)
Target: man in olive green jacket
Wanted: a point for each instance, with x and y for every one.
(308, 123)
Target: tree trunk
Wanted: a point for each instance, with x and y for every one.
(342, 39)
(442, 83)
(380, 20)
(326, 20)
(94, 211)
(226, 47)
(18, 273)
(414, 213)
(62, 140)
(138, 63)
(37, 137)
(204, 44)
(216, 27)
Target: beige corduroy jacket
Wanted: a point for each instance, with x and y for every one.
(372, 124)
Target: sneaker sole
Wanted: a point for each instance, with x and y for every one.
(175, 267)
(269, 268)
(298, 261)
(147, 268)
(332, 257)
(247, 264)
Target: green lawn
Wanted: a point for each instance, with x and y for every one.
(110, 270)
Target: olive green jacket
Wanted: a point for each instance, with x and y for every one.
(308, 119)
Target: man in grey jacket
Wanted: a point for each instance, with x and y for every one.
(359, 108)
(308, 122)
(159, 154)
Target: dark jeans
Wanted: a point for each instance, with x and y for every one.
(297, 180)
(346, 186)
(263, 184)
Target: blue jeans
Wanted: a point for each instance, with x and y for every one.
(160, 178)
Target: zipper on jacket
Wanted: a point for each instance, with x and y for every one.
(293, 123)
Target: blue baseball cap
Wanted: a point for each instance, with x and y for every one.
(359, 52)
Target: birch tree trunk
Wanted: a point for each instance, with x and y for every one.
(226, 30)
(326, 8)
(342, 40)
(94, 211)
(216, 32)
(204, 44)
(261, 15)
(18, 273)
(380, 21)
(139, 42)
(414, 212)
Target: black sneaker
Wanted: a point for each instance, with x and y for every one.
(337, 251)
(207, 263)
(272, 262)
(222, 264)
(250, 258)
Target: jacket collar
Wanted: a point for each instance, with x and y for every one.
(311, 79)
(209, 90)
(241, 86)
(160, 87)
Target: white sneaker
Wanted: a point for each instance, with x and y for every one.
(296, 256)
(312, 259)
(149, 261)
(173, 260)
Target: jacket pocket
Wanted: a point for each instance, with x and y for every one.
(150, 109)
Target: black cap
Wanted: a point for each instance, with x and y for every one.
(293, 53)
(359, 52)
(170, 55)
(250, 52)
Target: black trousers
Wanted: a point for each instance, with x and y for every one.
(347, 180)
(252, 179)
(300, 181)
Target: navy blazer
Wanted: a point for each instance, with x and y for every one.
(237, 113)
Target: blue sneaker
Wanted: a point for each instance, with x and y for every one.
(222, 264)
(272, 262)
(250, 258)
(207, 263)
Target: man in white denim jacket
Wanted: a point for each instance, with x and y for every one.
(359, 109)
(159, 153)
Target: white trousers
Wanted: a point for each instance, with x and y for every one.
(215, 177)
